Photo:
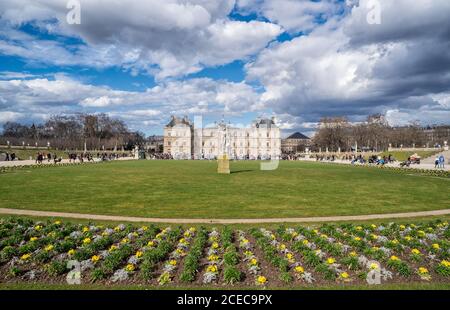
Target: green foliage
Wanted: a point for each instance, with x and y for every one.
(191, 262)
(56, 268)
(285, 277)
(231, 275)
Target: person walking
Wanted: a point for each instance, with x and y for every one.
(436, 162)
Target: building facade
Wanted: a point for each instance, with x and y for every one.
(262, 140)
(295, 143)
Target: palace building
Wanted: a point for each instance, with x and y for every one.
(262, 140)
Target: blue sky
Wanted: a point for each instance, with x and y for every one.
(297, 60)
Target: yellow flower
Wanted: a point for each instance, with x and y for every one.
(299, 269)
(244, 241)
(282, 247)
(213, 257)
(331, 261)
(436, 246)
(423, 270)
(394, 242)
(375, 248)
(215, 245)
(130, 267)
(33, 239)
(344, 275)
(315, 231)
(71, 252)
(57, 222)
(192, 229)
(324, 236)
(248, 253)
(25, 256)
(415, 251)
(402, 227)
(139, 254)
(374, 237)
(187, 233)
(394, 258)
(85, 229)
(374, 266)
(135, 234)
(38, 227)
(408, 238)
(182, 240)
(412, 226)
(117, 228)
(86, 240)
(272, 236)
(212, 268)
(150, 243)
(357, 239)
(421, 233)
(445, 263)
(353, 254)
(172, 262)
(290, 256)
(261, 280)
(305, 242)
(51, 234)
(124, 240)
(95, 258)
(112, 248)
(359, 228)
(144, 228)
(373, 226)
(48, 248)
(253, 262)
(294, 234)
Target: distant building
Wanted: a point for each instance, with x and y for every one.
(154, 144)
(262, 140)
(295, 143)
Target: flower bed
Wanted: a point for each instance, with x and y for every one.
(340, 255)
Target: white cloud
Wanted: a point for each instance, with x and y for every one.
(154, 105)
(292, 15)
(348, 67)
(9, 116)
(163, 37)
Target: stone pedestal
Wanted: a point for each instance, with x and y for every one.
(223, 166)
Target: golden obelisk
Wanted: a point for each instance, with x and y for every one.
(223, 165)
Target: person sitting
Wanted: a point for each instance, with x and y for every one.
(406, 163)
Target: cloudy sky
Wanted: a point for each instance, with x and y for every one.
(298, 60)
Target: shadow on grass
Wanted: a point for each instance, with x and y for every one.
(241, 171)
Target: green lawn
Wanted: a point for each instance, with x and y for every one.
(192, 189)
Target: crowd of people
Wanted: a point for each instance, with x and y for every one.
(78, 157)
(41, 157)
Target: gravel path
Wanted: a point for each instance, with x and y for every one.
(222, 221)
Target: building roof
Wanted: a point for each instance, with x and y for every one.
(265, 123)
(298, 135)
(176, 121)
